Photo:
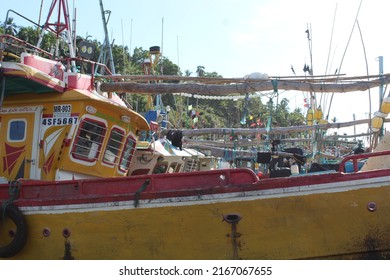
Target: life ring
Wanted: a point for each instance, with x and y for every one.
(20, 236)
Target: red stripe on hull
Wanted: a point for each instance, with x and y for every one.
(44, 193)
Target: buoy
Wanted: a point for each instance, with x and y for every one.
(385, 107)
(309, 116)
(377, 121)
(376, 124)
(322, 121)
(318, 113)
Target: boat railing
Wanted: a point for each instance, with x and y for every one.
(70, 62)
(355, 158)
(12, 43)
(193, 182)
(200, 179)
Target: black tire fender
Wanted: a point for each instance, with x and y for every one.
(19, 240)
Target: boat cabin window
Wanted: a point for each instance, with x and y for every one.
(127, 154)
(113, 146)
(89, 140)
(161, 166)
(17, 130)
(191, 165)
(174, 167)
(178, 167)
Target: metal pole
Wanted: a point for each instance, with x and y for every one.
(381, 93)
(106, 40)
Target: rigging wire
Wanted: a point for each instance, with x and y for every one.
(369, 91)
(310, 42)
(326, 96)
(331, 39)
(310, 70)
(346, 47)
(327, 61)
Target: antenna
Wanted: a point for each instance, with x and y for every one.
(149, 67)
(123, 46)
(162, 44)
(131, 36)
(74, 24)
(177, 47)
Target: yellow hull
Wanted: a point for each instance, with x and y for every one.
(326, 225)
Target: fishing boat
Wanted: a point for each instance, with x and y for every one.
(156, 156)
(67, 190)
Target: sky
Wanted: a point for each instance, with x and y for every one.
(238, 37)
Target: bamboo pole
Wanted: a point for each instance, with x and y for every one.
(274, 130)
(220, 80)
(245, 143)
(246, 86)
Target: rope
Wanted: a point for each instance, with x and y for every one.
(275, 85)
(2, 80)
(139, 191)
(13, 191)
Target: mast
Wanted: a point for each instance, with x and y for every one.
(381, 91)
(61, 24)
(106, 48)
(149, 66)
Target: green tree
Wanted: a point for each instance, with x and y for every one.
(137, 60)
(169, 68)
(28, 34)
(200, 71)
(31, 35)
(187, 73)
(10, 27)
(211, 113)
(211, 75)
(281, 113)
(296, 117)
(121, 58)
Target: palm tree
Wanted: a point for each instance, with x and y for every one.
(200, 71)
(10, 27)
(187, 73)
